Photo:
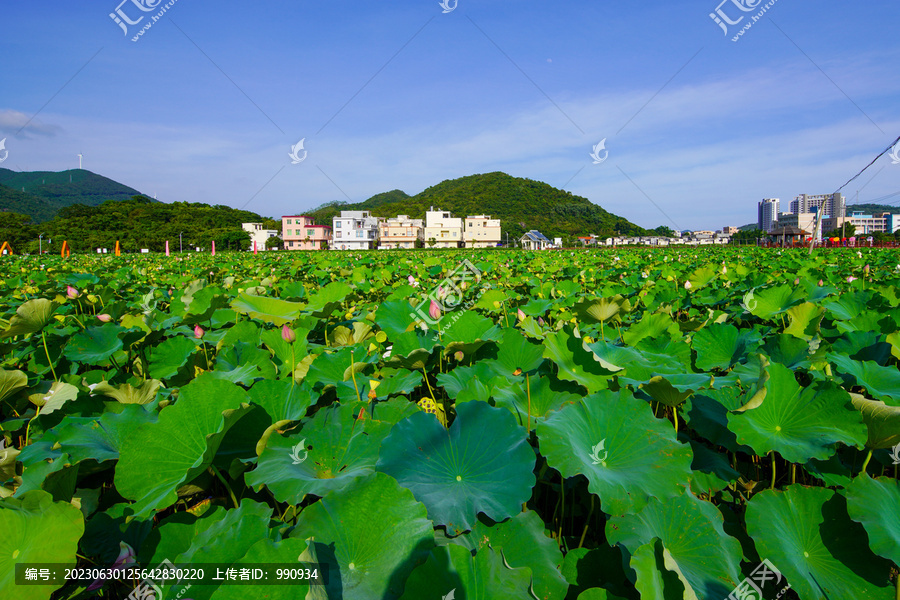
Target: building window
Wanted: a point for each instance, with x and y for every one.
(310, 232)
(454, 234)
(337, 224)
(288, 221)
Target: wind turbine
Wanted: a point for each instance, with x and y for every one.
(80, 158)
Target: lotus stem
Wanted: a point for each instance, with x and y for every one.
(528, 387)
(428, 383)
(773, 469)
(47, 352)
(352, 374)
(866, 462)
(587, 523)
(675, 415)
(603, 337)
(294, 367)
(225, 483)
(562, 509)
(793, 473)
(28, 429)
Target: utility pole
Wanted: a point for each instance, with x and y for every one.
(41, 244)
(180, 245)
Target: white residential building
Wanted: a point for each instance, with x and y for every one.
(481, 231)
(442, 230)
(400, 232)
(258, 234)
(866, 224)
(767, 213)
(355, 230)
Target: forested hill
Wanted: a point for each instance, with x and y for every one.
(41, 194)
(521, 205)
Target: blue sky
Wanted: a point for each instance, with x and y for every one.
(206, 105)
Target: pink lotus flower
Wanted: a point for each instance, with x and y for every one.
(104, 318)
(851, 279)
(412, 281)
(520, 314)
(198, 332)
(71, 292)
(434, 310)
(288, 335)
(126, 557)
(687, 285)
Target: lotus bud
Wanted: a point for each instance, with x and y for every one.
(104, 318)
(851, 279)
(541, 321)
(520, 314)
(821, 283)
(198, 332)
(459, 356)
(434, 310)
(288, 335)
(797, 281)
(71, 292)
(687, 285)
(866, 269)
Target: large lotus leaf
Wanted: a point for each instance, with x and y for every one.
(712, 471)
(804, 320)
(226, 541)
(375, 532)
(327, 299)
(342, 369)
(721, 345)
(692, 531)
(524, 544)
(395, 318)
(172, 536)
(882, 382)
(11, 382)
(863, 345)
(798, 423)
(602, 309)
(459, 378)
(36, 530)
(627, 455)
(180, 445)
(638, 365)
(169, 356)
(412, 350)
(452, 572)
(468, 332)
(98, 438)
(52, 396)
(127, 394)
(269, 310)
(702, 276)
(651, 325)
(602, 566)
(268, 552)
(542, 394)
(483, 463)
(670, 390)
(848, 305)
(576, 363)
(397, 381)
(874, 502)
(657, 574)
(31, 317)
(769, 302)
(283, 401)
(331, 450)
(787, 350)
(244, 363)
(516, 355)
(94, 345)
(806, 533)
(882, 421)
(286, 355)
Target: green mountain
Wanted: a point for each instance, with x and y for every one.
(521, 205)
(41, 194)
(871, 209)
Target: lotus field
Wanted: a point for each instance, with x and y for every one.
(692, 423)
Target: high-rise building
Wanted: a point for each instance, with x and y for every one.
(833, 205)
(767, 213)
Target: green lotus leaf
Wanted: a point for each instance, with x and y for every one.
(268, 552)
(327, 299)
(341, 369)
(11, 382)
(882, 382)
(52, 396)
(602, 310)
(269, 310)
(412, 350)
(848, 305)
(657, 574)
(863, 345)
(597, 594)
(523, 543)
(286, 355)
(169, 356)
(172, 536)
(98, 438)
(397, 381)
(670, 390)
(31, 317)
(452, 572)
(804, 320)
(638, 365)
(769, 302)
(651, 325)
(373, 533)
(576, 363)
(798, 423)
(483, 463)
(602, 566)
(711, 471)
(613, 439)
(874, 502)
(787, 350)
(36, 530)
(180, 445)
(701, 277)
(542, 394)
(94, 345)
(492, 300)
(395, 318)
(809, 537)
(126, 394)
(468, 332)
(721, 345)
(692, 532)
(459, 378)
(882, 421)
(343, 336)
(283, 401)
(330, 450)
(244, 363)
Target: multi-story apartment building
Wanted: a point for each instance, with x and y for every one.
(355, 230)
(730, 230)
(299, 232)
(767, 213)
(833, 205)
(442, 230)
(481, 231)
(400, 232)
(866, 224)
(258, 235)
